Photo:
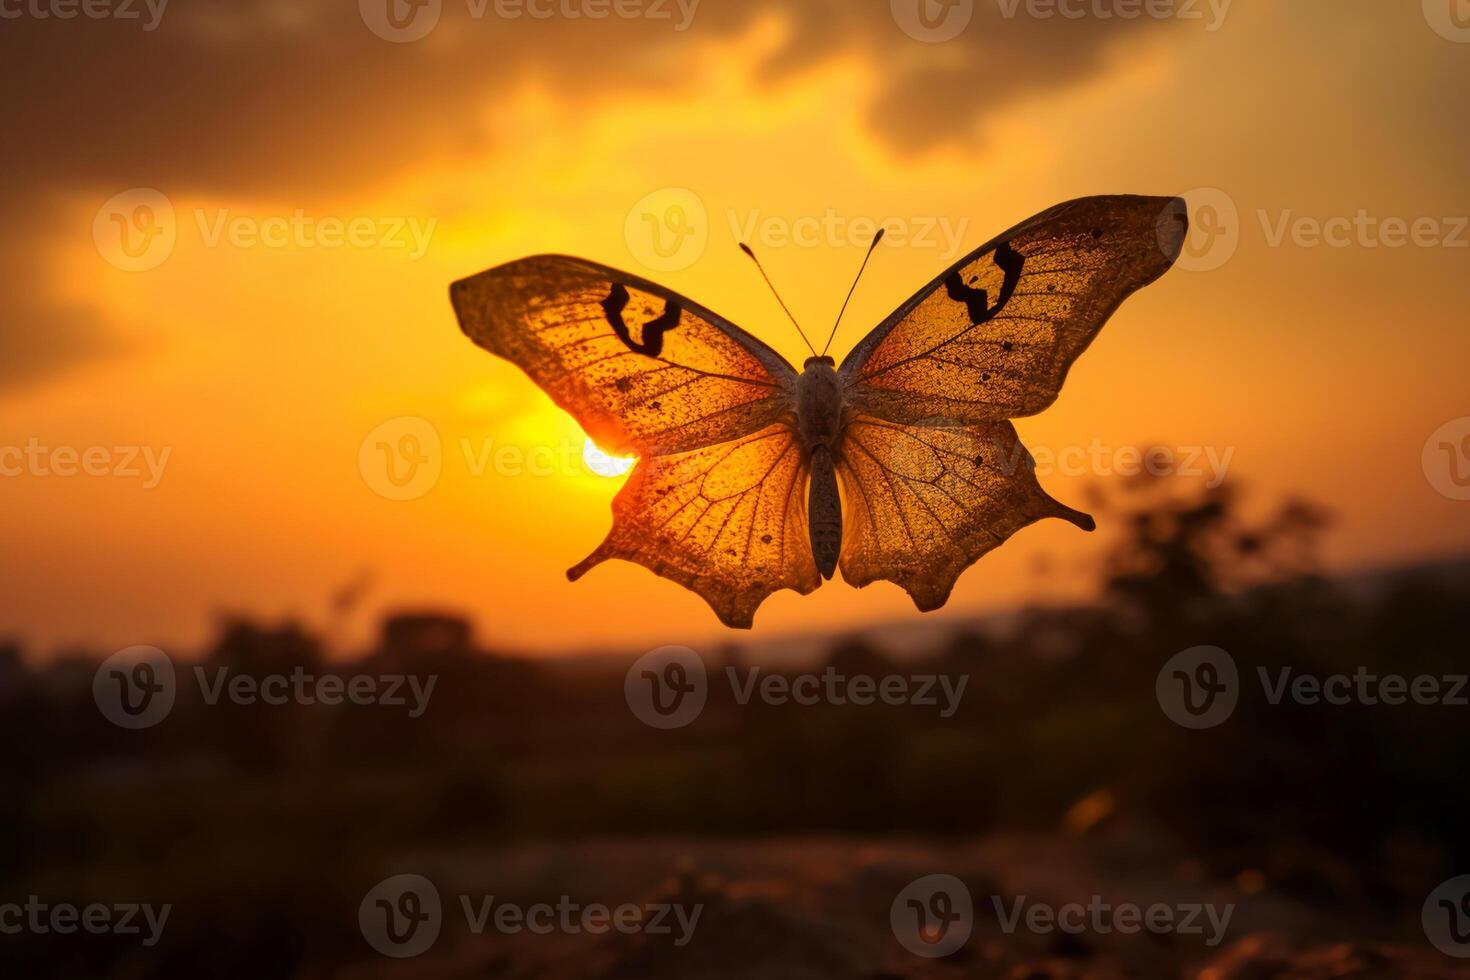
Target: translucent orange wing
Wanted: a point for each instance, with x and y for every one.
(717, 500)
(992, 336)
(728, 522)
(641, 368)
(924, 502)
(933, 474)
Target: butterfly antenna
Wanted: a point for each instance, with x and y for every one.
(746, 249)
(876, 239)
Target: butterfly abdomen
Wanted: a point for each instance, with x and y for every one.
(824, 512)
(819, 418)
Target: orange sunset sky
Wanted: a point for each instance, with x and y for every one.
(260, 367)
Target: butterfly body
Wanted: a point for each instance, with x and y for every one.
(819, 415)
(736, 491)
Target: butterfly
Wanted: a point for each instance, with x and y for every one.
(735, 494)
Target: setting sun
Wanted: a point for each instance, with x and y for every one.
(604, 464)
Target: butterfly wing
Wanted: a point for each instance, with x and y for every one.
(933, 472)
(926, 501)
(727, 522)
(641, 368)
(993, 335)
(715, 501)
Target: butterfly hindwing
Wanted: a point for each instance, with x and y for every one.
(924, 502)
(716, 501)
(641, 368)
(992, 336)
(933, 473)
(728, 522)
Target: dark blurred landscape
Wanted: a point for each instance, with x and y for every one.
(1059, 778)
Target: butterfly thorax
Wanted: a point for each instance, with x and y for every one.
(819, 404)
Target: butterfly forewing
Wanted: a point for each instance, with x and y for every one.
(933, 474)
(992, 337)
(641, 368)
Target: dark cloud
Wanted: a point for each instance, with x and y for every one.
(40, 340)
(280, 96)
(241, 93)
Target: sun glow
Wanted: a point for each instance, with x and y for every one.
(604, 464)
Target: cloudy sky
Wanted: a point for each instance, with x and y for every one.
(232, 226)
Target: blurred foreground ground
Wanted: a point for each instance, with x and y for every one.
(794, 828)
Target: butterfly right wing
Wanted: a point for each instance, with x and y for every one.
(933, 472)
(926, 501)
(993, 335)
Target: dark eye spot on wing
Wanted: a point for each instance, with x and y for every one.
(765, 539)
(977, 300)
(653, 331)
(1007, 346)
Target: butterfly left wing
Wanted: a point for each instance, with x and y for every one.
(715, 501)
(727, 522)
(641, 368)
(933, 473)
